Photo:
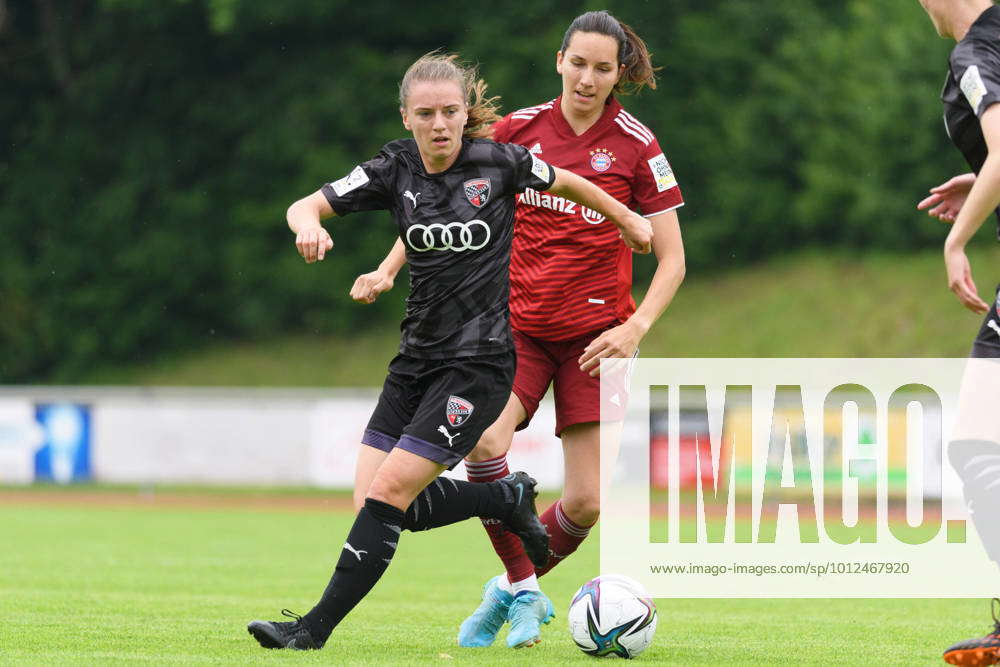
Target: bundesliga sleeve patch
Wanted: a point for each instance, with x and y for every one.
(352, 181)
(539, 169)
(662, 173)
(973, 87)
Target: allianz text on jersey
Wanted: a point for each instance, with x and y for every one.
(533, 197)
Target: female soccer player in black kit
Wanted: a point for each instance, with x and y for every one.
(973, 122)
(452, 197)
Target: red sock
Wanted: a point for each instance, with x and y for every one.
(506, 544)
(564, 536)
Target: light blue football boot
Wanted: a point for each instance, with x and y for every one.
(528, 611)
(482, 627)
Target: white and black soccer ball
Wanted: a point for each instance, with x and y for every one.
(612, 615)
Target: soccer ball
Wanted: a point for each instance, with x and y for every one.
(612, 615)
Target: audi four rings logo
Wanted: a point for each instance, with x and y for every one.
(454, 236)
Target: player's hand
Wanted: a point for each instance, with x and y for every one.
(960, 280)
(947, 198)
(369, 285)
(637, 233)
(621, 341)
(312, 243)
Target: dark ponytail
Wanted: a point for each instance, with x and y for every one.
(632, 52)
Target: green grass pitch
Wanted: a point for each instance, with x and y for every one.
(177, 585)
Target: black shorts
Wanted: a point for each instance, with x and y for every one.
(438, 408)
(987, 343)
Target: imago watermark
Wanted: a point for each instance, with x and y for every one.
(802, 477)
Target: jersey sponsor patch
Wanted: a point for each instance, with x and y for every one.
(458, 410)
(477, 191)
(539, 169)
(454, 236)
(973, 87)
(352, 181)
(662, 173)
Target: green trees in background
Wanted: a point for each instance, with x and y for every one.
(148, 150)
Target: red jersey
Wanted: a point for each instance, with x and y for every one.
(570, 272)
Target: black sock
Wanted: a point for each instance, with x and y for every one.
(364, 558)
(446, 501)
(978, 464)
(371, 543)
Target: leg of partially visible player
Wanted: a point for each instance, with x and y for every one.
(974, 453)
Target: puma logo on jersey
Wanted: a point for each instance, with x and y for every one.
(443, 431)
(412, 197)
(356, 552)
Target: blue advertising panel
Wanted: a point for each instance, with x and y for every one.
(65, 455)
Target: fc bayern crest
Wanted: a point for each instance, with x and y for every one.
(601, 159)
(458, 410)
(478, 191)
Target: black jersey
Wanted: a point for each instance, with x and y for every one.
(457, 227)
(972, 85)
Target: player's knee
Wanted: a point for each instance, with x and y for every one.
(583, 510)
(389, 490)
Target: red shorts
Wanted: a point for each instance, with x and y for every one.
(541, 362)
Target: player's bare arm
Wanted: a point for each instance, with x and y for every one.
(946, 200)
(368, 286)
(635, 229)
(983, 199)
(623, 340)
(304, 219)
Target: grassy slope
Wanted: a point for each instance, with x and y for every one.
(173, 586)
(811, 306)
(805, 305)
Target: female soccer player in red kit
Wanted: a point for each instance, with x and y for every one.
(571, 302)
